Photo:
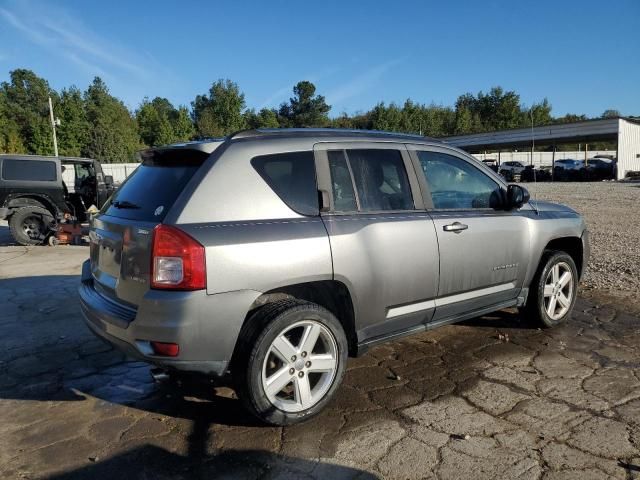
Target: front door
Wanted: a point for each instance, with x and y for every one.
(383, 242)
(483, 248)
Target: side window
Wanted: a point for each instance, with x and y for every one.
(456, 184)
(381, 179)
(344, 198)
(42, 171)
(292, 176)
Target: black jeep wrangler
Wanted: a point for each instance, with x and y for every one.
(34, 197)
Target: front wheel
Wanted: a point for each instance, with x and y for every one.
(553, 290)
(292, 359)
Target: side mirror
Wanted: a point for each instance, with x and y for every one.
(108, 179)
(516, 196)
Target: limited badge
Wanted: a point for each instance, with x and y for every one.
(159, 210)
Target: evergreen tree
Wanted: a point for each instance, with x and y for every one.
(183, 129)
(26, 98)
(73, 131)
(113, 136)
(305, 108)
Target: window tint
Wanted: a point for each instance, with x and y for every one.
(456, 184)
(152, 189)
(293, 177)
(42, 171)
(344, 198)
(381, 179)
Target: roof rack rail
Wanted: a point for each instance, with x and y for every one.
(258, 132)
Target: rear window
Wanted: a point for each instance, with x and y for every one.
(151, 190)
(38, 170)
(292, 176)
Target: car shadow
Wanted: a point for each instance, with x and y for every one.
(151, 461)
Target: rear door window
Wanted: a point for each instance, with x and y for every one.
(153, 187)
(380, 179)
(29, 170)
(292, 176)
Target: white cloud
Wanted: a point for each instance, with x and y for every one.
(362, 82)
(284, 93)
(65, 36)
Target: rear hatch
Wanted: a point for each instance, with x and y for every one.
(121, 235)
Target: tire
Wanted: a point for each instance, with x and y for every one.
(257, 362)
(550, 310)
(31, 225)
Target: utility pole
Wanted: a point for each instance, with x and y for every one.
(54, 122)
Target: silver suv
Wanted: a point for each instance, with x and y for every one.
(265, 259)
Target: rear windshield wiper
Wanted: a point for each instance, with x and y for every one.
(125, 204)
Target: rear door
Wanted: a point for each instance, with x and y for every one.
(483, 248)
(121, 235)
(383, 242)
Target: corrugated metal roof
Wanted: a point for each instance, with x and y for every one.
(585, 131)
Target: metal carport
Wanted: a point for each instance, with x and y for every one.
(624, 131)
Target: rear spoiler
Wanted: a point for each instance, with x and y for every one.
(183, 153)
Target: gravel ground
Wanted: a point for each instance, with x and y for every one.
(612, 216)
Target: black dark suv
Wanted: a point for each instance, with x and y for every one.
(34, 196)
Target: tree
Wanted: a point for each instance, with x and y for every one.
(305, 108)
(541, 113)
(26, 98)
(73, 132)
(221, 112)
(153, 122)
(183, 128)
(570, 118)
(610, 114)
(113, 136)
(265, 118)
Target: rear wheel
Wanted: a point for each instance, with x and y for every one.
(553, 290)
(292, 359)
(31, 225)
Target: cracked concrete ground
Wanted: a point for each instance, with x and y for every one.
(458, 402)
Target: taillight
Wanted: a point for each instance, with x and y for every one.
(177, 260)
(165, 349)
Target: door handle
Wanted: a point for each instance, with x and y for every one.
(455, 227)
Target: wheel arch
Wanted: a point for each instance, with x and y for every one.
(330, 294)
(32, 200)
(572, 246)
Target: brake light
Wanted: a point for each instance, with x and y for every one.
(177, 260)
(165, 349)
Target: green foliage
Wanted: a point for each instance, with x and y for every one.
(26, 101)
(98, 125)
(113, 136)
(221, 112)
(305, 108)
(73, 131)
(265, 118)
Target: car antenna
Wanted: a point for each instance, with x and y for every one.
(535, 184)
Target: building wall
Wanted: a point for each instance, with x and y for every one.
(628, 148)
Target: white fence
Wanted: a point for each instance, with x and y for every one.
(541, 158)
(119, 171)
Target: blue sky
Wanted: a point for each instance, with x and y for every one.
(584, 56)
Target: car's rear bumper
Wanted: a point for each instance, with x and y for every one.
(205, 327)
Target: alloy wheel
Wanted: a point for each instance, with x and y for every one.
(558, 290)
(300, 366)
